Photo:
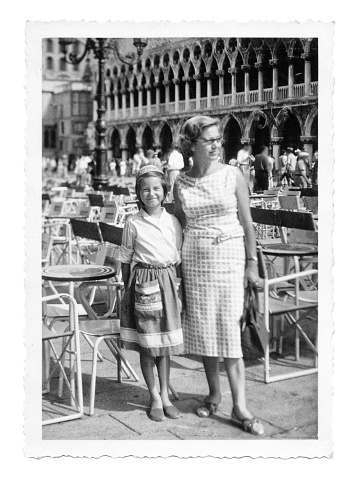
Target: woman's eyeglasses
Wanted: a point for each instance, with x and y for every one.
(209, 141)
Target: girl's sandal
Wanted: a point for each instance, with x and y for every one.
(207, 409)
(251, 425)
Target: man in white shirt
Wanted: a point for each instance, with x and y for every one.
(175, 164)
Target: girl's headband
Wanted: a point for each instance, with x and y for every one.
(147, 169)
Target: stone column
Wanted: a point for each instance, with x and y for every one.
(198, 91)
(209, 89)
(116, 102)
(124, 103)
(291, 77)
(276, 142)
(259, 67)
(166, 86)
(95, 109)
(176, 94)
(109, 109)
(140, 100)
(307, 58)
(245, 69)
(131, 92)
(124, 152)
(274, 66)
(157, 97)
(186, 80)
(220, 74)
(233, 72)
(149, 107)
(308, 142)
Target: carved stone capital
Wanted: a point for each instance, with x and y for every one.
(306, 57)
(140, 88)
(176, 81)
(308, 140)
(197, 77)
(273, 63)
(187, 79)
(259, 66)
(166, 82)
(233, 71)
(220, 73)
(277, 140)
(245, 68)
(291, 60)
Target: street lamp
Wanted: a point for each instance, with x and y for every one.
(101, 48)
(270, 119)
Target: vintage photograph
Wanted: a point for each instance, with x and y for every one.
(180, 238)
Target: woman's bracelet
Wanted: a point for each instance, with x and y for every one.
(252, 258)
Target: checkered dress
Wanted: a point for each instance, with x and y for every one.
(213, 262)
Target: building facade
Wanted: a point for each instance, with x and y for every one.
(233, 79)
(67, 102)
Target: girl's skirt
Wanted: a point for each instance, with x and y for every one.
(150, 312)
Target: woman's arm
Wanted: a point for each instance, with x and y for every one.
(178, 210)
(245, 218)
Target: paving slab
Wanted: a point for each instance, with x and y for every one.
(105, 427)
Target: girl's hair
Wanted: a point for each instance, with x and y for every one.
(150, 174)
(192, 130)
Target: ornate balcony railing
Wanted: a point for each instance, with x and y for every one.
(314, 88)
(283, 93)
(299, 90)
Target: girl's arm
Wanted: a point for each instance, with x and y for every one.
(245, 218)
(178, 210)
(125, 274)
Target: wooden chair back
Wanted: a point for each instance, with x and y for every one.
(96, 200)
(85, 229)
(289, 202)
(293, 193)
(109, 213)
(311, 203)
(56, 207)
(283, 218)
(111, 233)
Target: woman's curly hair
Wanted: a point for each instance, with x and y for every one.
(192, 130)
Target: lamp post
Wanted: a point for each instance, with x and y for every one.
(100, 48)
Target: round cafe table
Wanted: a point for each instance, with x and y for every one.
(71, 273)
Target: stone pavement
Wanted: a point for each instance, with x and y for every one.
(287, 408)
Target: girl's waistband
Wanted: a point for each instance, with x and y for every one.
(155, 266)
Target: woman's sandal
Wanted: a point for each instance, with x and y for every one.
(207, 409)
(171, 412)
(155, 414)
(248, 424)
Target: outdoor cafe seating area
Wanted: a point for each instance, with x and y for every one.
(82, 287)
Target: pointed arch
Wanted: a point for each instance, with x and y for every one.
(248, 131)
(309, 120)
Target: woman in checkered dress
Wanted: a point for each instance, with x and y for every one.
(218, 255)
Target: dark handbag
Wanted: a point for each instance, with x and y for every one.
(254, 334)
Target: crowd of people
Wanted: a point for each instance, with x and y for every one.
(295, 168)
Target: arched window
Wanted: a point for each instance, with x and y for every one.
(62, 64)
(49, 63)
(253, 72)
(215, 78)
(282, 65)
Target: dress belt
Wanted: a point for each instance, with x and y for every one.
(226, 236)
(154, 266)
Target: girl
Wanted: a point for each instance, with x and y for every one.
(150, 316)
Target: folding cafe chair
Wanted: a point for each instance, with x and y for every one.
(51, 339)
(293, 307)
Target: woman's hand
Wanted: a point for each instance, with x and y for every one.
(251, 273)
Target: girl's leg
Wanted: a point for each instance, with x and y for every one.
(163, 367)
(211, 366)
(147, 366)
